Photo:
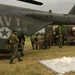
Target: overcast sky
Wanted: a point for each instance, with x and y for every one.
(57, 6)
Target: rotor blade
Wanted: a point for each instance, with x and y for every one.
(32, 2)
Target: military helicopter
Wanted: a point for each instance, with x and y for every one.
(28, 21)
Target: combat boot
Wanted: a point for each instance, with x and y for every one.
(20, 60)
(22, 54)
(11, 62)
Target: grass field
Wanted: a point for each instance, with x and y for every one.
(30, 64)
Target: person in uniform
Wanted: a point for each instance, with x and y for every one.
(45, 41)
(49, 40)
(60, 40)
(36, 44)
(42, 41)
(14, 46)
(39, 41)
(21, 44)
(33, 42)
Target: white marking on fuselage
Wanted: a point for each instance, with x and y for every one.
(18, 21)
(1, 22)
(5, 33)
(6, 21)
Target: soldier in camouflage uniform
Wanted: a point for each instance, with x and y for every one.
(45, 41)
(14, 45)
(21, 44)
(49, 40)
(60, 40)
(33, 42)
